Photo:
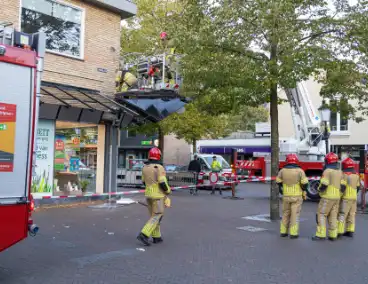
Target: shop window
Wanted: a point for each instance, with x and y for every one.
(75, 158)
(62, 24)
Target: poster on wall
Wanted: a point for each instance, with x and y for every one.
(7, 136)
(74, 164)
(44, 172)
(59, 153)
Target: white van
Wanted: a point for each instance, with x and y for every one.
(206, 160)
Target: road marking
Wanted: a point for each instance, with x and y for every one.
(251, 229)
(264, 218)
(86, 260)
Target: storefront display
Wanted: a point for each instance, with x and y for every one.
(43, 178)
(75, 158)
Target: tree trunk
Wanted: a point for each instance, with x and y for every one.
(194, 146)
(161, 141)
(274, 198)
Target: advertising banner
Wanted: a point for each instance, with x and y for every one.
(7, 136)
(59, 153)
(44, 177)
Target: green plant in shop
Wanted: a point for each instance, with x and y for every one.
(84, 184)
(40, 183)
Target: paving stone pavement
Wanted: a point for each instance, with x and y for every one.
(201, 245)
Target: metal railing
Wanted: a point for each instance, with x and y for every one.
(133, 178)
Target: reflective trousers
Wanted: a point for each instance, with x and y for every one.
(156, 211)
(291, 207)
(347, 213)
(327, 209)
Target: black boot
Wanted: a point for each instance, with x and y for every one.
(283, 235)
(332, 239)
(143, 239)
(191, 192)
(157, 240)
(315, 238)
(339, 236)
(294, 237)
(348, 234)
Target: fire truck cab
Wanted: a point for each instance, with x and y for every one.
(21, 64)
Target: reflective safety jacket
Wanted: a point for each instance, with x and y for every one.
(333, 179)
(124, 80)
(292, 178)
(152, 175)
(216, 166)
(352, 184)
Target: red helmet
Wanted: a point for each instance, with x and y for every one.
(292, 159)
(331, 158)
(154, 154)
(348, 164)
(163, 35)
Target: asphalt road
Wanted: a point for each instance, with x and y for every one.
(201, 245)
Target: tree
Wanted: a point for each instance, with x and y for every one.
(202, 118)
(193, 125)
(246, 50)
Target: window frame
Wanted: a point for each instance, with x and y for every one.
(339, 132)
(83, 26)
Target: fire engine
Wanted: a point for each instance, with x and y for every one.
(21, 65)
(158, 77)
(309, 142)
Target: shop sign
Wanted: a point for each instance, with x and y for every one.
(43, 178)
(146, 142)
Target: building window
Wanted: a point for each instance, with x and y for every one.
(338, 123)
(62, 24)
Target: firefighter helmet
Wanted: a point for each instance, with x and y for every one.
(163, 35)
(348, 163)
(331, 158)
(154, 154)
(292, 159)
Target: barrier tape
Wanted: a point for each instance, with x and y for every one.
(226, 183)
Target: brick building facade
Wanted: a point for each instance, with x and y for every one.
(82, 57)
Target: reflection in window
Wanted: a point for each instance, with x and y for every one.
(333, 121)
(61, 24)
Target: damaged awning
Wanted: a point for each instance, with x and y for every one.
(64, 102)
(155, 104)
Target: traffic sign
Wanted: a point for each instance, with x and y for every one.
(213, 178)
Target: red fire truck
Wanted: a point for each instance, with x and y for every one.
(21, 64)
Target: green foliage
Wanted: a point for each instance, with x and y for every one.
(84, 185)
(206, 117)
(239, 49)
(243, 51)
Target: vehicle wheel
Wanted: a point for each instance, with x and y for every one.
(312, 191)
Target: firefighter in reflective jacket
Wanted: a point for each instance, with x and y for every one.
(330, 192)
(157, 189)
(348, 203)
(293, 185)
(124, 81)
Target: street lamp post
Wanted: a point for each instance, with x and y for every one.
(325, 116)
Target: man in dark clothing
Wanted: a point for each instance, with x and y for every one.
(195, 167)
